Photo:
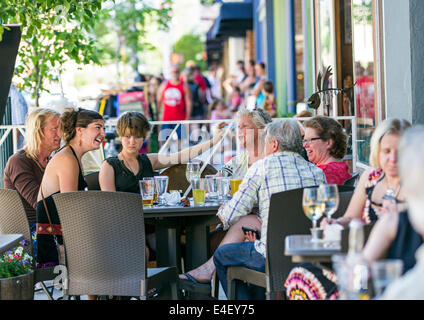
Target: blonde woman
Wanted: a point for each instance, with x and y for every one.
(382, 180)
(24, 170)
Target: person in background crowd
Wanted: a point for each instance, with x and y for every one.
(235, 100)
(250, 80)
(282, 162)
(326, 145)
(24, 170)
(215, 81)
(174, 101)
(219, 111)
(260, 70)
(411, 167)
(241, 74)
(270, 104)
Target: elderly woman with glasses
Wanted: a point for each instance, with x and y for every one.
(326, 145)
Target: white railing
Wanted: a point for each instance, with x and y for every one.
(111, 124)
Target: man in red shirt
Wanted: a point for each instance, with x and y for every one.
(174, 101)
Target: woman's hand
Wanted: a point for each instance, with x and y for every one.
(327, 221)
(250, 236)
(219, 132)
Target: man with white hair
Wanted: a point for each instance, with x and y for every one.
(282, 169)
(411, 166)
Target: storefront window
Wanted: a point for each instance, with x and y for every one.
(365, 93)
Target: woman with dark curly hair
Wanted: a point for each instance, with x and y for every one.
(326, 145)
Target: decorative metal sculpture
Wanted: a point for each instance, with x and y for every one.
(314, 101)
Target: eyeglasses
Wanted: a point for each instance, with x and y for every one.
(309, 141)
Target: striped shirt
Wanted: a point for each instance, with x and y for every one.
(281, 171)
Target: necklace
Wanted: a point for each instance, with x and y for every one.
(128, 165)
(392, 191)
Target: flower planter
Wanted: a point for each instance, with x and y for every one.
(17, 288)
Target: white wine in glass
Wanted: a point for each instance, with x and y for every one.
(312, 205)
(329, 194)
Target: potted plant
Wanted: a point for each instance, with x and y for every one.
(16, 274)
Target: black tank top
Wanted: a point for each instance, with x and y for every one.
(125, 180)
(406, 243)
(46, 248)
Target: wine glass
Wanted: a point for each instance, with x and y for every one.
(192, 170)
(329, 194)
(313, 207)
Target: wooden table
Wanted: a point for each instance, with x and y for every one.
(9, 241)
(301, 249)
(169, 222)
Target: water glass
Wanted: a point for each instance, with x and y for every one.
(199, 191)
(385, 272)
(223, 185)
(352, 277)
(147, 191)
(161, 184)
(212, 183)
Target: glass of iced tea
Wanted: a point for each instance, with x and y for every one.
(147, 191)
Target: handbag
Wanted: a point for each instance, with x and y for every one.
(59, 247)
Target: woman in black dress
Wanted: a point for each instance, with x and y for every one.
(83, 131)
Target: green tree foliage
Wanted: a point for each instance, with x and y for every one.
(192, 48)
(129, 21)
(53, 32)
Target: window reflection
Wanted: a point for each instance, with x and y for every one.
(365, 104)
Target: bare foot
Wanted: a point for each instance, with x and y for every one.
(202, 274)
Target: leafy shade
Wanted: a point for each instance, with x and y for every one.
(192, 48)
(53, 32)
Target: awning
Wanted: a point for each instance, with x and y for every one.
(233, 21)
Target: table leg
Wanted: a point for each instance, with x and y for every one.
(198, 241)
(168, 250)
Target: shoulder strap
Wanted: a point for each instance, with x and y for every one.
(75, 155)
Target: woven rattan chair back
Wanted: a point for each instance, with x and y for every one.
(104, 239)
(13, 218)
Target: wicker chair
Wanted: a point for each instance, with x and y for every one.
(281, 223)
(352, 180)
(104, 239)
(13, 219)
